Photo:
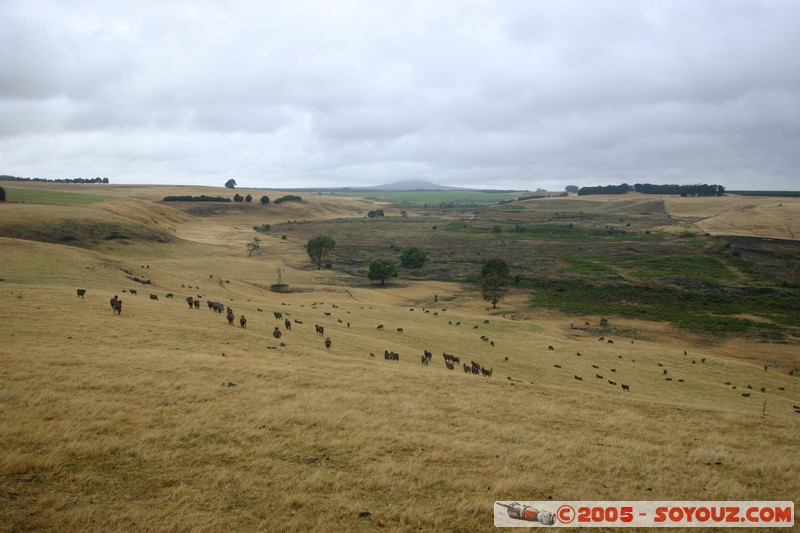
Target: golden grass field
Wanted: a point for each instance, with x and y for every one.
(128, 423)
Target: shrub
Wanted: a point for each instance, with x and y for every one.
(288, 198)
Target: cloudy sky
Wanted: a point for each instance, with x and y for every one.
(516, 94)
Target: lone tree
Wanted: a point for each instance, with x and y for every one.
(494, 280)
(2, 194)
(318, 249)
(382, 269)
(230, 184)
(253, 246)
(413, 257)
(265, 200)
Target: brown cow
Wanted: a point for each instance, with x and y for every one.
(328, 343)
(243, 322)
(81, 293)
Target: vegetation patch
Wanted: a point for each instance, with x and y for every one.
(702, 311)
(42, 196)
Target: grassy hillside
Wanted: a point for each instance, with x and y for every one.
(167, 418)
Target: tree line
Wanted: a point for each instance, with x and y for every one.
(649, 188)
(5, 177)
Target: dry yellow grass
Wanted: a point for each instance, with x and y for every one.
(123, 423)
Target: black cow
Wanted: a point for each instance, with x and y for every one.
(81, 293)
(190, 302)
(328, 343)
(154, 297)
(243, 322)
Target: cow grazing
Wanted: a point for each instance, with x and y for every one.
(81, 293)
(190, 302)
(197, 304)
(557, 366)
(133, 292)
(612, 382)
(327, 343)
(278, 316)
(425, 359)
(746, 394)
(550, 348)
(595, 366)
(599, 376)
(486, 373)
(287, 324)
(170, 296)
(230, 316)
(625, 387)
(450, 366)
(578, 378)
(380, 326)
(243, 322)
(116, 305)
(399, 330)
(298, 321)
(727, 383)
(320, 330)
(467, 369)
(154, 297)
(276, 332)
(610, 341)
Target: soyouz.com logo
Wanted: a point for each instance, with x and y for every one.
(644, 514)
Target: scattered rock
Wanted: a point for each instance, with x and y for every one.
(229, 384)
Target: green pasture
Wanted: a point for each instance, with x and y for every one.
(41, 196)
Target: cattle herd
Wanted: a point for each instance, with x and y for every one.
(450, 360)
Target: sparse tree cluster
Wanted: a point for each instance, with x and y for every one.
(382, 269)
(495, 280)
(413, 257)
(318, 249)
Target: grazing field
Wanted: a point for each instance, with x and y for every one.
(167, 418)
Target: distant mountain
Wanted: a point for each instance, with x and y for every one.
(411, 185)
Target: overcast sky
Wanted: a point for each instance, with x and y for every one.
(489, 94)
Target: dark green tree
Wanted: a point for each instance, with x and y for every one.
(382, 269)
(413, 257)
(495, 279)
(318, 249)
(2, 194)
(265, 200)
(248, 198)
(230, 184)
(238, 197)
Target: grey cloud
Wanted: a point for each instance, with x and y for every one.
(514, 94)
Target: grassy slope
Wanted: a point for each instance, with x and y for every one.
(123, 423)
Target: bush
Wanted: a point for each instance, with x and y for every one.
(265, 200)
(2, 194)
(201, 198)
(413, 257)
(288, 198)
(263, 228)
